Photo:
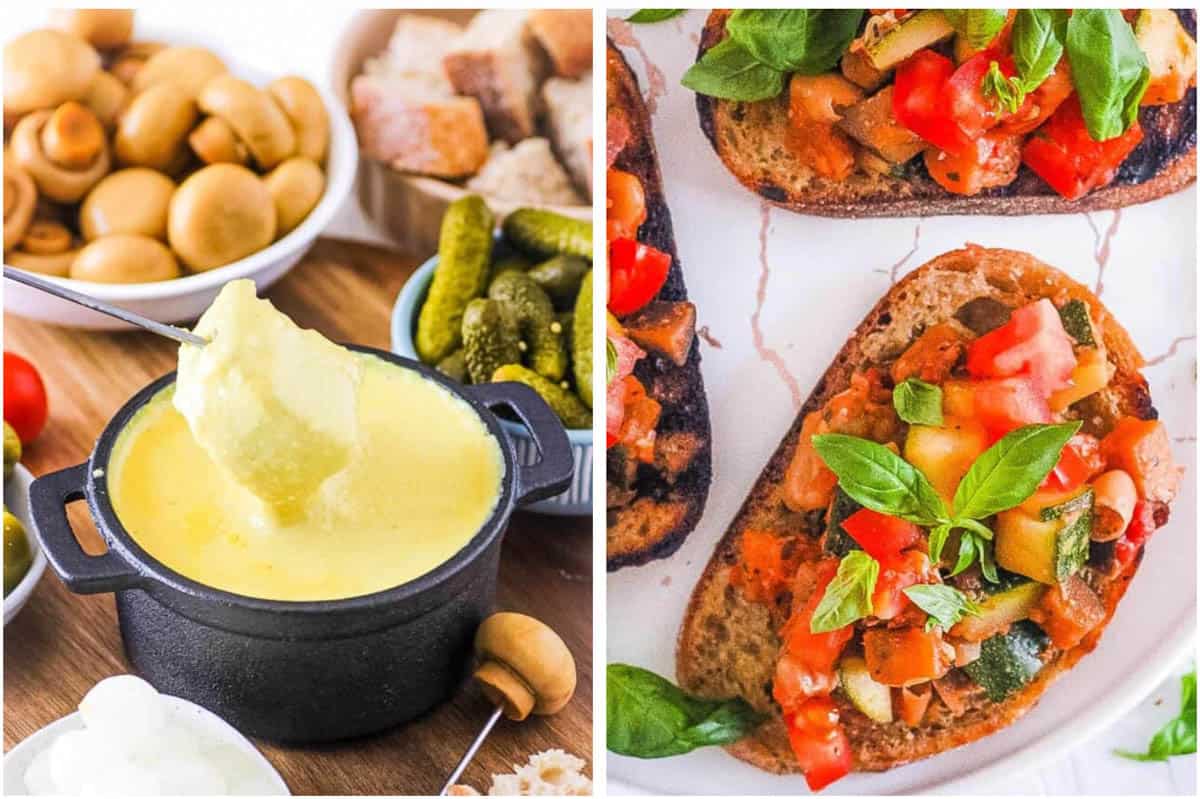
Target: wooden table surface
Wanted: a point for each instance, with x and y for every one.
(61, 643)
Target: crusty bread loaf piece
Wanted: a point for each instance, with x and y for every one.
(664, 511)
(728, 646)
(417, 44)
(750, 139)
(413, 125)
(569, 121)
(527, 173)
(497, 61)
(566, 36)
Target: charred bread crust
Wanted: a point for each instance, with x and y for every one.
(636, 534)
(1162, 164)
(728, 646)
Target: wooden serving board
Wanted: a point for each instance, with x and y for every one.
(61, 643)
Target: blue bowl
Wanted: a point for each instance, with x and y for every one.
(577, 499)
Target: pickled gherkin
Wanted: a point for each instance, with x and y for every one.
(581, 341)
(546, 233)
(454, 365)
(534, 313)
(560, 277)
(464, 256)
(570, 409)
(490, 339)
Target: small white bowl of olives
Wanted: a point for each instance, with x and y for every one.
(21, 550)
(147, 169)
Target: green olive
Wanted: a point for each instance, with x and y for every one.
(17, 557)
(12, 450)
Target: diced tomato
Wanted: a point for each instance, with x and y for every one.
(880, 535)
(897, 572)
(626, 204)
(1032, 342)
(918, 101)
(1002, 406)
(1041, 102)
(1067, 612)
(637, 433)
(806, 665)
(914, 702)
(975, 112)
(1062, 153)
(1139, 531)
(989, 161)
(636, 272)
(1142, 448)
(1072, 470)
(762, 572)
(628, 354)
(818, 742)
(906, 655)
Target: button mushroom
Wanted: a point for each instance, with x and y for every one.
(189, 68)
(221, 213)
(130, 60)
(20, 198)
(46, 237)
(296, 186)
(133, 200)
(524, 665)
(125, 258)
(214, 142)
(106, 97)
(153, 130)
(45, 68)
(306, 111)
(57, 265)
(64, 151)
(253, 114)
(103, 28)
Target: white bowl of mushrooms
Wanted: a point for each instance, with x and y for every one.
(148, 170)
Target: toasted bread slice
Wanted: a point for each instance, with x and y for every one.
(728, 645)
(664, 511)
(750, 140)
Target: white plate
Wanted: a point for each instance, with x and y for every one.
(185, 298)
(822, 277)
(16, 499)
(17, 760)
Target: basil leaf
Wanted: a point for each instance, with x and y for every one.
(977, 25)
(1038, 36)
(1177, 736)
(917, 402)
(1108, 68)
(1010, 470)
(648, 15)
(611, 358)
(937, 541)
(805, 40)
(945, 604)
(966, 554)
(879, 479)
(848, 596)
(987, 561)
(648, 716)
(730, 72)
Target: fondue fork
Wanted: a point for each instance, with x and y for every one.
(523, 667)
(170, 331)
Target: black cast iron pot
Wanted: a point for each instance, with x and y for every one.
(301, 671)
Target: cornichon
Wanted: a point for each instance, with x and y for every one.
(513, 262)
(581, 340)
(454, 365)
(464, 253)
(490, 339)
(534, 313)
(560, 278)
(545, 233)
(570, 409)
(12, 449)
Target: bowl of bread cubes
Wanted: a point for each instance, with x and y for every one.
(453, 102)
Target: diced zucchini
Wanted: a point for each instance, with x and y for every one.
(1046, 550)
(1008, 662)
(944, 454)
(837, 541)
(1077, 322)
(1001, 609)
(1083, 501)
(919, 31)
(871, 123)
(874, 699)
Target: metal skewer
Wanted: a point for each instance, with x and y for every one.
(169, 331)
(469, 755)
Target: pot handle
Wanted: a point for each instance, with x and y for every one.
(82, 573)
(551, 473)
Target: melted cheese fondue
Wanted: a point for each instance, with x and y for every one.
(282, 502)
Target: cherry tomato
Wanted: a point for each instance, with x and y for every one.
(626, 204)
(25, 405)
(918, 101)
(818, 741)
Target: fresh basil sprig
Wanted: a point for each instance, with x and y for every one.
(1177, 736)
(879, 479)
(1108, 68)
(1038, 38)
(1010, 470)
(649, 717)
(610, 354)
(918, 402)
(764, 46)
(848, 596)
(977, 25)
(945, 604)
(646, 16)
